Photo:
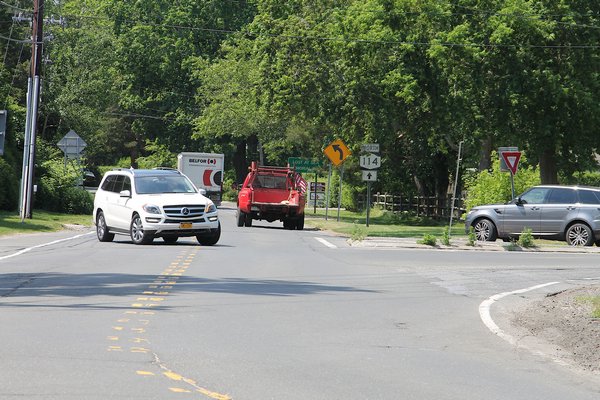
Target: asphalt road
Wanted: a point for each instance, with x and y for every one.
(273, 314)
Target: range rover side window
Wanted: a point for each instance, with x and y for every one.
(562, 196)
(535, 196)
(589, 197)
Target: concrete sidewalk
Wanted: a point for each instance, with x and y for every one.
(461, 244)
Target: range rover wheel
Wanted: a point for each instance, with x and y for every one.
(579, 234)
(102, 230)
(485, 231)
(136, 231)
(210, 239)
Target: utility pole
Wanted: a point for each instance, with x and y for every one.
(33, 96)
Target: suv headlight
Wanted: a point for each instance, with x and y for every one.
(151, 209)
(210, 208)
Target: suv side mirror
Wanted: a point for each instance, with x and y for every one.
(125, 193)
(202, 191)
(518, 200)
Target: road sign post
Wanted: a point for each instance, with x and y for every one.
(369, 163)
(337, 152)
(511, 159)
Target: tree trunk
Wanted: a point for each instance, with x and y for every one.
(240, 164)
(548, 169)
(485, 154)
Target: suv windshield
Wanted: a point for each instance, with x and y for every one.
(163, 184)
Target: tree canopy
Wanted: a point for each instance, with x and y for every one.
(271, 79)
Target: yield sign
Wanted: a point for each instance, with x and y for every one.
(511, 158)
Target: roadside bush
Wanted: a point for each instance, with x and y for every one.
(526, 238)
(9, 187)
(587, 178)
(58, 190)
(494, 187)
(471, 237)
(428, 239)
(446, 237)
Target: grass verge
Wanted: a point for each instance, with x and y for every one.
(381, 224)
(42, 221)
(594, 301)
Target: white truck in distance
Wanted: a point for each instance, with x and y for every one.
(205, 170)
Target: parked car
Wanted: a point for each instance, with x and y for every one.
(554, 212)
(145, 204)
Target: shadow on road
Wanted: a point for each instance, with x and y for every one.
(53, 288)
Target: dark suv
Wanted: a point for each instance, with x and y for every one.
(570, 213)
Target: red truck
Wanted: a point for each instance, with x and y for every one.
(272, 193)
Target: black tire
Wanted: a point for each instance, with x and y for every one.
(248, 220)
(241, 217)
(170, 239)
(300, 223)
(288, 223)
(579, 234)
(137, 233)
(102, 230)
(485, 230)
(210, 239)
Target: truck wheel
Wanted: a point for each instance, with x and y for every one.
(248, 220)
(300, 223)
(287, 224)
(211, 239)
(241, 217)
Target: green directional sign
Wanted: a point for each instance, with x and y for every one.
(304, 164)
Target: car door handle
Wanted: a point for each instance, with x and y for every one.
(535, 208)
(571, 208)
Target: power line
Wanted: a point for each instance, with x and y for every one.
(351, 40)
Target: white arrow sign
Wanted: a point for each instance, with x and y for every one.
(369, 176)
(370, 161)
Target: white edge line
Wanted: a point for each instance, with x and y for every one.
(484, 311)
(326, 243)
(23, 251)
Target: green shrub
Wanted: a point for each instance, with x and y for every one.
(495, 187)
(428, 239)
(58, 189)
(358, 232)
(526, 238)
(446, 237)
(471, 238)
(9, 187)
(77, 200)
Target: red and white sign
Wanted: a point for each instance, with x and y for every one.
(511, 158)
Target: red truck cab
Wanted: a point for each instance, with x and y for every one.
(272, 193)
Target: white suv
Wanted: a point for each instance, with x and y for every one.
(153, 203)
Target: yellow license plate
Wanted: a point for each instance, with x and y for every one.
(185, 225)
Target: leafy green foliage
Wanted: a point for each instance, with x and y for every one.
(9, 191)
(526, 238)
(446, 237)
(59, 189)
(428, 239)
(471, 237)
(495, 187)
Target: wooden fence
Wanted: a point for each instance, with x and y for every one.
(432, 207)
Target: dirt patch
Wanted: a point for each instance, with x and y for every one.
(565, 320)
